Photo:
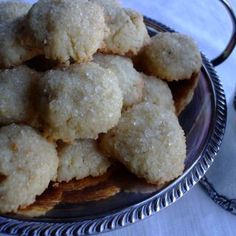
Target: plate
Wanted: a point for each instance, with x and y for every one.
(204, 124)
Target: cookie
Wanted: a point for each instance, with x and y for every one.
(28, 162)
(79, 101)
(67, 29)
(157, 91)
(18, 92)
(16, 44)
(171, 57)
(130, 81)
(79, 160)
(128, 33)
(149, 141)
(10, 11)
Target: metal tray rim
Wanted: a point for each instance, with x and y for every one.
(166, 197)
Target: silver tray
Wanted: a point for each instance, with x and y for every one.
(204, 123)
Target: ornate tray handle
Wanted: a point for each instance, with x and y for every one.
(232, 42)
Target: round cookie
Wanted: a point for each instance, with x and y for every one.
(9, 11)
(18, 91)
(13, 40)
(157, 91)
(130, 81)
(171, 56)
(27, 164)
(67, 29)
(80, 101)
(79, 160)
(149, 141)
(128, 32)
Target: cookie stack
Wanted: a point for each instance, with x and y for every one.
(82, 85)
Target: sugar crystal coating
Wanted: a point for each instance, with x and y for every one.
(171, 56)
(18, 91)
(13, 50)
(130, 81)
(156, 91)
(67, 29)
(28, 163)
(79, 101)
(128, 32)
(149, 141)
(81, 159)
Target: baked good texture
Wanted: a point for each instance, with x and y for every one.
(18, 93)
(149, 141)
(79, 101)
(130, 81)
(128, 33)
(16, 47)
(157, 91)
(170, 56)
(67, 29)
(9, 11)
(81, 159)
(28, 163)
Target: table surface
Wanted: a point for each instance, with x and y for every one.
(208, 23)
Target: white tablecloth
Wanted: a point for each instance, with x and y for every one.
(207, 22)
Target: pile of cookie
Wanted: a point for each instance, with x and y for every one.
(101, 96)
